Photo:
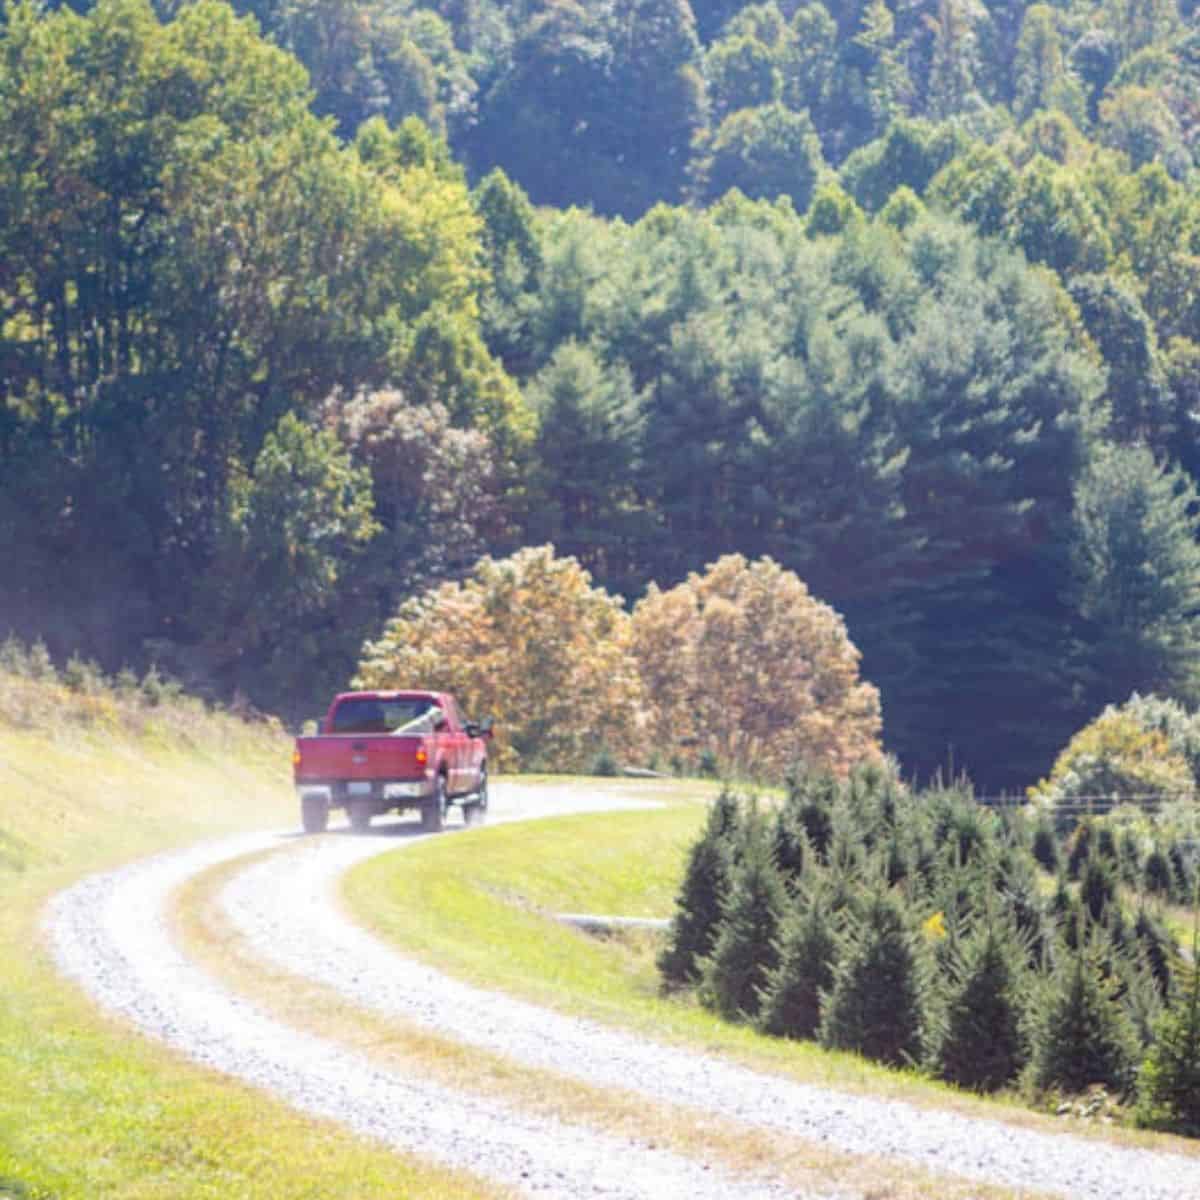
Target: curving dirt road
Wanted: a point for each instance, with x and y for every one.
(110, 933)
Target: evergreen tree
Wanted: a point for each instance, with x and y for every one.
(1098, 886)
(745, 951)
(1138, 576)
(1169, 1082)
(698, 905)
(982, 1045)
(1080, 1034)
(1045, 844)
(877, 1004)
(807, 950)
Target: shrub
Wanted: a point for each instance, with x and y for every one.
(604, 764)
(982, 1045)
(736, 973)
(1080, 1035)
(808, 949)
(698, 906)
(876, 1005)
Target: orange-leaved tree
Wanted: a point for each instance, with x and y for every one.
(529, 641)
(744, 663)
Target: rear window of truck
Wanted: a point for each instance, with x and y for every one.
(364, 715)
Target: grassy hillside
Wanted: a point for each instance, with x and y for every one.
(91, 776)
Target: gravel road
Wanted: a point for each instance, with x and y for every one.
(109, 933)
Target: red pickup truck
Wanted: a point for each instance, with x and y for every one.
(379, 751)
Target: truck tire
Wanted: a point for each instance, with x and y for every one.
(360, 814)
(475, 813)
(433, 815)
(314, 814)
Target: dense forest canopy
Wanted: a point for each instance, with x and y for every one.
(305, 304)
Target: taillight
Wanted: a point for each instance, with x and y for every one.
(296, 757)
(422, 756)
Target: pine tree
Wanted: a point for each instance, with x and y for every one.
(808, 949)
(1098, 887)
(982, 1045)
(1169, 1082)
(736, 972)
(877, 1005)
(1080, 1035)
(698, 905)
(1156, 873)
(1045, 844)
(1158, 948)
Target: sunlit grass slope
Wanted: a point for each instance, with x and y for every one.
(90, 777)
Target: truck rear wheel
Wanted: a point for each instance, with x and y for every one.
(314, 814)
(433, 815)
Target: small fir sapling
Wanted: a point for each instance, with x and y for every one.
(1080, 1034)
(1022, 899)
(1181, 873)
(807, 949)
(1129, 859)
(1045, 845)
(1169, 1081)
(982, 1044)
(736, 972)
(1106, 843)
(1079, 849)
(1098, 886)
(1158, 948)
(1156, 874)
(698, 905)
(877, 1004)
(792, 851)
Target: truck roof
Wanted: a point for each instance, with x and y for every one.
(388, 694)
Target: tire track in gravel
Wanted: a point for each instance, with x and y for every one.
(288, 910)
(110, 933)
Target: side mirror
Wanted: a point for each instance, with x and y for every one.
(439, 721)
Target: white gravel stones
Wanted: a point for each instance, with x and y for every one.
(108, 932)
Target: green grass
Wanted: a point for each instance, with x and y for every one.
(88, 1110)
(482, 906)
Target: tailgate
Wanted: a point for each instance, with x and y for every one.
(349, 756)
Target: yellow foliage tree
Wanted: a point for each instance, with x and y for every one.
(745, 663)
(529, 641)
(1114, 760)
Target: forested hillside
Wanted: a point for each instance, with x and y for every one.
(307, 304)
